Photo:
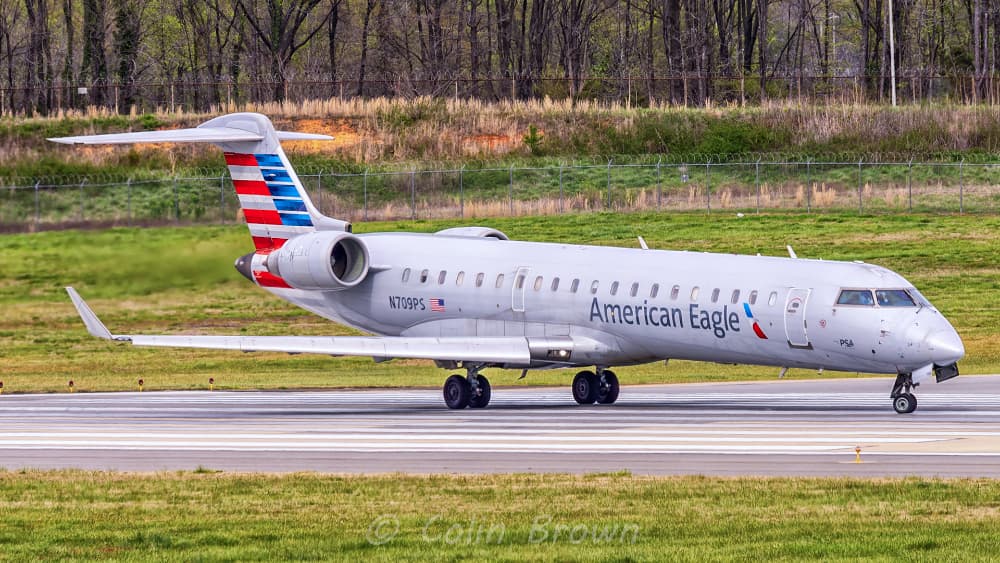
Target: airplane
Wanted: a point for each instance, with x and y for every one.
(470, 298)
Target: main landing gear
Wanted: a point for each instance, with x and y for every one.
(601, 387)
(471, 391)
(903, 400)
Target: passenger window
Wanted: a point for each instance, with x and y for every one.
(519, 282)
(635, 290)
(575, 285)
(460, 278)
(555, 284)
(538, 283)
(694, 293)
(499, 281)
(753, 297)
(614, 288)
(479, 279)
(654, 290)
(736, 297)
(772, 299)
(406, 275)
(593, 286)
(441, 276)
(894, 298)
(423, 276)
(675, 292)
(715, 295)
(862, 297)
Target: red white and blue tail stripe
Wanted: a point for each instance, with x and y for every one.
(271, 198)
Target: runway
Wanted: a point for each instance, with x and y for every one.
(763, 428)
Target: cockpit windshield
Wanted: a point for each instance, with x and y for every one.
(880, 297)
(856, 297)
(894, 298)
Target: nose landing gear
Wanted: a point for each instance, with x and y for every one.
(903, 401)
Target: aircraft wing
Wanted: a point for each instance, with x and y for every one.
(192, 135)
(506, 350)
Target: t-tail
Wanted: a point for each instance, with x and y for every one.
(274, 202)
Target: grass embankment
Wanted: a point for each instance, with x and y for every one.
(210, 516)
(181, 280)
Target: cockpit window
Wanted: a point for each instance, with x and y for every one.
(856, 297)
(894, 298)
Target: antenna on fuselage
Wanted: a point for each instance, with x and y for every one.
(642, 243)
(790, 251)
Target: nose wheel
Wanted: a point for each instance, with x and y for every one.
(903, 401)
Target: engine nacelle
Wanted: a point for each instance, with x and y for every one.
(324, 260)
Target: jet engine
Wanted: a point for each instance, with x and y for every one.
(324, 260)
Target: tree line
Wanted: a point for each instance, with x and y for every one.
(193, 53)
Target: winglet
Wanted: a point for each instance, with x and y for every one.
(94, 325)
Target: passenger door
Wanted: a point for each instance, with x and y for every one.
(796, 329)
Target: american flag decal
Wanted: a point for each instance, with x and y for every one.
(437, 305)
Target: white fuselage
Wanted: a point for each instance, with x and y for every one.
(641, 305)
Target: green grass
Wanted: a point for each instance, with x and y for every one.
(181, 280)
(206, 516)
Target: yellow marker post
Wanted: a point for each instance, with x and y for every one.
(857, 454)
(71, 390)
(1, 387)
(211, 384)
(140, 385)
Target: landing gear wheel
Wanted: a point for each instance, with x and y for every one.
(457, 392)
(607, 390)
(585, 387)
(481, 397)
(905, 403)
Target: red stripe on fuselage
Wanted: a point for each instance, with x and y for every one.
(267, 279)
(251, 187)
(237, 159)
(262, 216)
(759, 332)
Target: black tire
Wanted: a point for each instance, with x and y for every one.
(905, 403)
(608, 393)
(483, 398)
(457, 392)
(585, 386)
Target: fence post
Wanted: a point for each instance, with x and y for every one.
(510, 188)
(708, 185)
(319, 190)
(860, 201)
(757, 183)
(659, 184)
(809, 187)
(222, 199)
(81, 198)
(608, 207)
(909, 184)
(37, 204)
(461, 179)
(961, 187)
(177, 202)
(364, 184)
(413, 193)
(128, 191)
(562, 208)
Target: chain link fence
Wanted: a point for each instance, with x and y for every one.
(746, 186)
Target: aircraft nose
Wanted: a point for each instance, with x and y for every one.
(945, 346)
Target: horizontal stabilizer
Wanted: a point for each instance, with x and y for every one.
(194, 135)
